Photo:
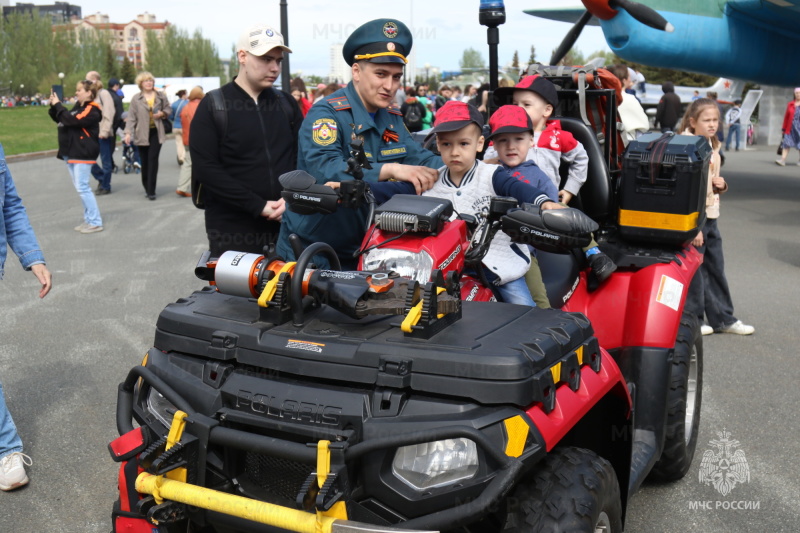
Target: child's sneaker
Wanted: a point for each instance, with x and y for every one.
(12, 470)
(602, 266)
(705, 329)
(91, 229)
(737, 328)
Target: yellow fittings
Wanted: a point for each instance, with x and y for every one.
(272, 285)
(256, 511)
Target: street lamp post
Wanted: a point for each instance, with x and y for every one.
(61, 84)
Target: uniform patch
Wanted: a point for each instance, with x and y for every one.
(390, 30)
(323, 132)
(395, 151)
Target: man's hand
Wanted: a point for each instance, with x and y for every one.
(127, 139)
(552, 205)
(698, 240)
(564, 196)
(422, 178)
(43, 275)
(718, 184)
(274, 209)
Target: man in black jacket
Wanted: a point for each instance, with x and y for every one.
(670, 109)
(239, 166)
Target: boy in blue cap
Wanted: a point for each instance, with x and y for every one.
(469, 184)
(364, 110)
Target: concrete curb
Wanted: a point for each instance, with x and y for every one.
(18, 158)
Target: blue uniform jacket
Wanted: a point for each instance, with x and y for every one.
(324, 147)
(15, 229)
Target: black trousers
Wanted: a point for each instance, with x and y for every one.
(149, 155)
(709, 293)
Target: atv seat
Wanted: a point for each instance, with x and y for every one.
(594, 198)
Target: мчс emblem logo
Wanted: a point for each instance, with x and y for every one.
(724, 468)
(323, 131)
(390, 30)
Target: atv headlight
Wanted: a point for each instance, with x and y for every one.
(160, 407)
(436, 464)
(417, 266)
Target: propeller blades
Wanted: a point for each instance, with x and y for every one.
(644, 14)
(640, 12)
(570, 38)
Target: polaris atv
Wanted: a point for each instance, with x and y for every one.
(282, 398)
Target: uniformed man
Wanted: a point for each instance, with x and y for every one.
(364, 110)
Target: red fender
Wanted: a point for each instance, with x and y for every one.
(639, 308)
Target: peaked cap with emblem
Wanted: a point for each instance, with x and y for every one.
(379, 41)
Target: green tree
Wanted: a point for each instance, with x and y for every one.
(515, 60)
(472, 60)
(532, 58)
(127, 71)
(573, 57)
(111, 63)
(187, 70)
(233, 66)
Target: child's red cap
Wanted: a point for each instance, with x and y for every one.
(535, 83)
(510, 119)
(454, 115)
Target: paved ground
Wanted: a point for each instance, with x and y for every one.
(61, 358)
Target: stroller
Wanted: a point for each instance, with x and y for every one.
(130, 159)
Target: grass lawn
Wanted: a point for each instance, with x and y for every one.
(27, 129)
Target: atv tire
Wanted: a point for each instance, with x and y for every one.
(572, 490)
(683, 404)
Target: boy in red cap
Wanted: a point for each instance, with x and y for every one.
(469, 184)
(551, 145)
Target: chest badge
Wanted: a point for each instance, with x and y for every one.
(323, 131)
(390, 136)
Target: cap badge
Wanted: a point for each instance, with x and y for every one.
(390, 46)
(269, 32)
(390, 30)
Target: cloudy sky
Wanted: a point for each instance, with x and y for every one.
(443, 29)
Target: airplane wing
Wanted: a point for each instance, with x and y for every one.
(561, 15)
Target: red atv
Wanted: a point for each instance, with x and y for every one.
(323, 400)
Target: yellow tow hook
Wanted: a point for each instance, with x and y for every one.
(339, 509)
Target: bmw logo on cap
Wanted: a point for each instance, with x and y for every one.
(269, 33)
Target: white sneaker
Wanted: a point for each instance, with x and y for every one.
(80, 226)
(780, 163)
(12, 470)
(738, 328)
(91, 229)
(705, 329)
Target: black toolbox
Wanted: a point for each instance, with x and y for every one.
(663, 188)
(495, 354)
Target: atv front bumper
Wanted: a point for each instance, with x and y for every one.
(174, 472)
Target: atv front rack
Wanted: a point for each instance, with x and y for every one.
(169, 476)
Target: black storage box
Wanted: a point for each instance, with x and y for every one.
(495, 354)
(663, 189)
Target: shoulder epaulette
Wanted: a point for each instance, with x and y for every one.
(339, 103)
(394, 109)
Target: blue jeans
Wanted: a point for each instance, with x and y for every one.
(103, 175)
(9, 438)
(516, 292)
(735, 129)
(81, 173)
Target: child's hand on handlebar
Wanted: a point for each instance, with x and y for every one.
(552, 205)
(333, 184)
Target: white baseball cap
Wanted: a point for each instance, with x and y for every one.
(259, 39)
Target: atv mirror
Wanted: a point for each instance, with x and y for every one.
(555, 230)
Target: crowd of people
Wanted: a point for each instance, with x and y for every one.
(234, 142)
